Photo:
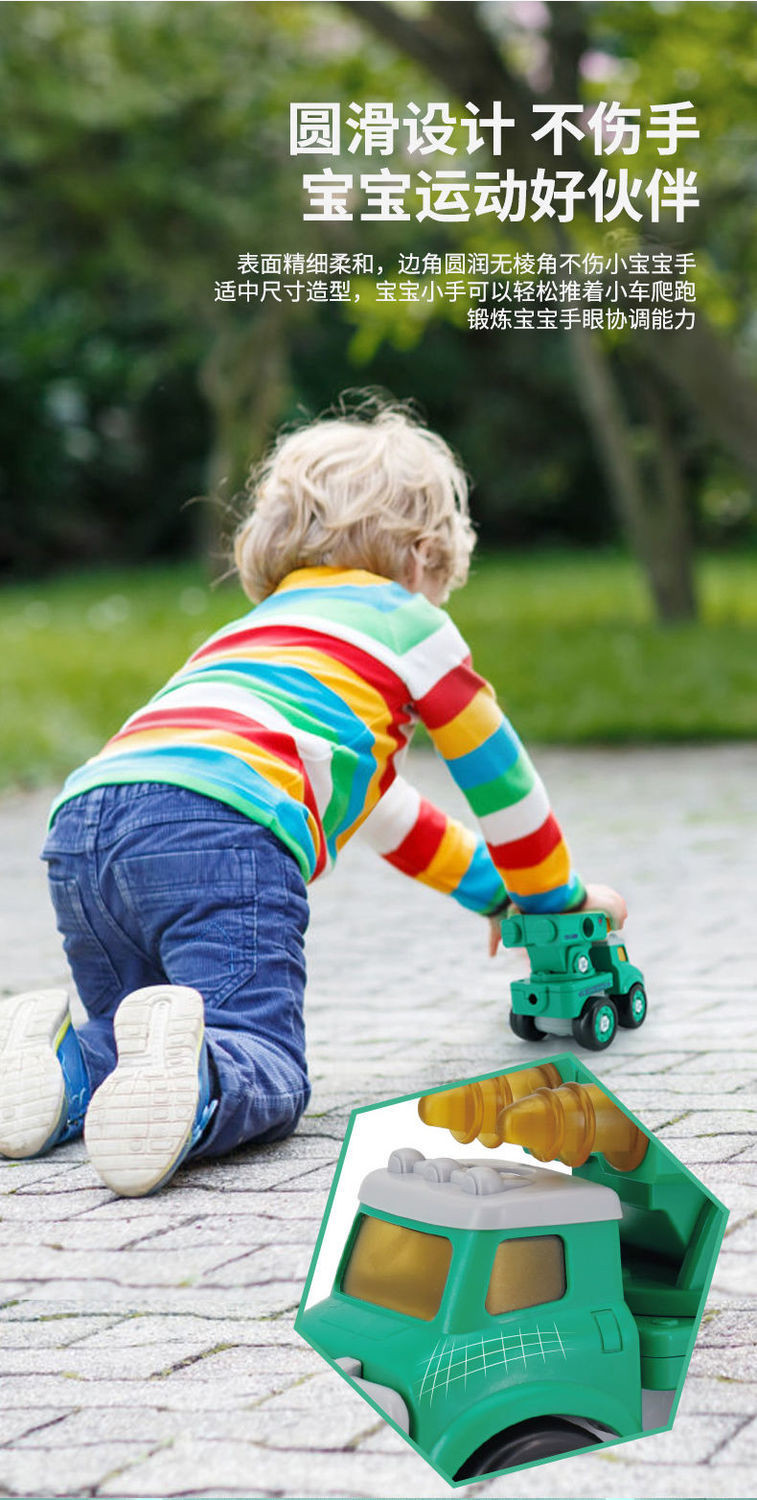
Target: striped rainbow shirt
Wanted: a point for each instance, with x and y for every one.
(298, 715)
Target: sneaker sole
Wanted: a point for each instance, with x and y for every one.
(140, 1119)
(33, 1091)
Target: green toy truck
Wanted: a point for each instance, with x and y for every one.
(580, 981)
(502, 1314)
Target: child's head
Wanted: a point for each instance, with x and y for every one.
(373, 490)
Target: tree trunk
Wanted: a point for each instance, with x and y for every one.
(647, 486)
(453, 43)
(672, 539)
(707, 372)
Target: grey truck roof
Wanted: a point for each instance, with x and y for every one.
(484, 1194)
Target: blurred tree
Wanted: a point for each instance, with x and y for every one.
(470, 50)
(145, 147)
(126, 178)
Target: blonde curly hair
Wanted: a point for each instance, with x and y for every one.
(370, 488)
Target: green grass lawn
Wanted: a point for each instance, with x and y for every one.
(566, 638)
(570, 644)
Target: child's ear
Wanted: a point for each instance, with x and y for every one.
(415, 570)
(423, 549)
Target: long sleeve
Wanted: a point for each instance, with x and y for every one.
(422, 841)
(495, 774)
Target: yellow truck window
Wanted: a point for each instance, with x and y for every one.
(398, 1268)
(526, 1272)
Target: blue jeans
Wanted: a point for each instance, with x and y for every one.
(153, 884)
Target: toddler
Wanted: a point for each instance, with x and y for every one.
(179, 856)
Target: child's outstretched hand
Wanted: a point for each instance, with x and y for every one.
(598, 898)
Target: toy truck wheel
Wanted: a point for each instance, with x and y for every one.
(632, 1008)
(525, 1028)
(527, 1443)
(597, 1024)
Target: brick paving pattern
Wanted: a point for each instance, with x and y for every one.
(147, 1346)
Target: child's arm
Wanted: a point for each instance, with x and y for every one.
(520, 854)
(495, 774)
(524, 841)
(422, 841)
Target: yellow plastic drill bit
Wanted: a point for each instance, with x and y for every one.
(473, 1109)
(568, 1123)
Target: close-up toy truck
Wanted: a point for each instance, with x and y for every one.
(501, 1313)
(580, 982)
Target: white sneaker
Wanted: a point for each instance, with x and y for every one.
(151, 1110)
(43, 1090)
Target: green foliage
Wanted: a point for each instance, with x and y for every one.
(146, 145)
(683, 49)
(566, 639)
(77, 657)
(569, 643)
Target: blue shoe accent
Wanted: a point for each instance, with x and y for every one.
(206, 1105)
(78, 1092)
(154, 1107)
(45, 1089)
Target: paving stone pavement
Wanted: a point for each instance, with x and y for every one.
(147, 1347)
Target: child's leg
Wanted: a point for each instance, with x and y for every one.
(184, 890)
(105, 963)
(54, 1070)
(102, 975)
(237, 935)
(256, 1034)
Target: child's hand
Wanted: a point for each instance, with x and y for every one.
(494, 934)
(604, 898)
(598, 898)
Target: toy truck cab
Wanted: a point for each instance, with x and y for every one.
(581, 981)
(481, 1308)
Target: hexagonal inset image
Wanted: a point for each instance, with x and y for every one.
(497, 1311)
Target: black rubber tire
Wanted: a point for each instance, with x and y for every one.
(632, 1008)
(527, 1443)
(525, 1027)
(597, 1024)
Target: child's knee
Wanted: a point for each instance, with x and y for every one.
(258, 1114)
(294, 1109)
